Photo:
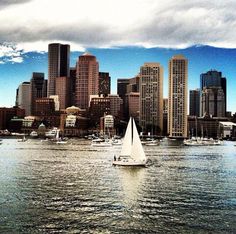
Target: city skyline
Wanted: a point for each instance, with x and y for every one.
(148, 31)
(223, 60)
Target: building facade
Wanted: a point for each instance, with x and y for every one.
(63, 91)
(151, 98)
(58, 64)
(38, 89)
(133, 104)
(87, 72)
(194, 102)
(104, 83)
(178, 96)
(213, 80)
(213, 102)
(6, 114)
(23, 97)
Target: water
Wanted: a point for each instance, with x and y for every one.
(75, 189)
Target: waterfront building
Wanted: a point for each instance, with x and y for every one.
(227, 129)
(87, 69)
(6, 114)
(58, 64)
(23, 100)
(151, 98)
(178, 96)
(74, 122)
(205, 126)
(194, 102)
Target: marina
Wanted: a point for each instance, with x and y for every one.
(51, 188)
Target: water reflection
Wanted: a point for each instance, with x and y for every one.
(132, 182)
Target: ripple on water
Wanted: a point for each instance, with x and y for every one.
(75, 189)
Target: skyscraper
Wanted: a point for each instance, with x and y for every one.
(124, 87)
(104, 83)
(213, 79)
(178, 78)
(87, 69)
(38, 88)
(194, 102)
(24, 102)
(213, 102)
(63, 91)
(72, 85)
(151, 98)
(58, 64)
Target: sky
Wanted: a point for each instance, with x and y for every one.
(122, 34)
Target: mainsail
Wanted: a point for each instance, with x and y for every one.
(126, 149)
(137, 151)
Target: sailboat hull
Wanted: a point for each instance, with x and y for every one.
(129, 162)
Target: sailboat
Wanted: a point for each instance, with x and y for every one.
(59, 140)
(132, 153)
(23, 139)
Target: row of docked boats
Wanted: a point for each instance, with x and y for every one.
(199, 141)
(100, 142)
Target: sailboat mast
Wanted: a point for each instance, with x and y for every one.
(132, 132)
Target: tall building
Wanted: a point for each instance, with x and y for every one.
(72, 85)
(116, 104)
(87, 70)
(133, 104)
(213, 102)
(178, 95)
(213, 79)
(58, 64)
(63, 91)
(194, 102)
(133, 85)
(23, 100)
(104, 83)
(38, 88)
(165, 116)
(151, 98)
(124, 87)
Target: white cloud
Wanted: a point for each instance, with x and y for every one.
(10, 53)
(113, 23)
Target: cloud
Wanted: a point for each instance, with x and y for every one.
(5, 3)
(10, 53)
(115, 23)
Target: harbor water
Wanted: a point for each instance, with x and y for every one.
(73, 188)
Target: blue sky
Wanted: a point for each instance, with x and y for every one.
(123, 34)
(125, 63)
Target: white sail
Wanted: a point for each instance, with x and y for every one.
(126, 149)
(57, 134)
(137, 152)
